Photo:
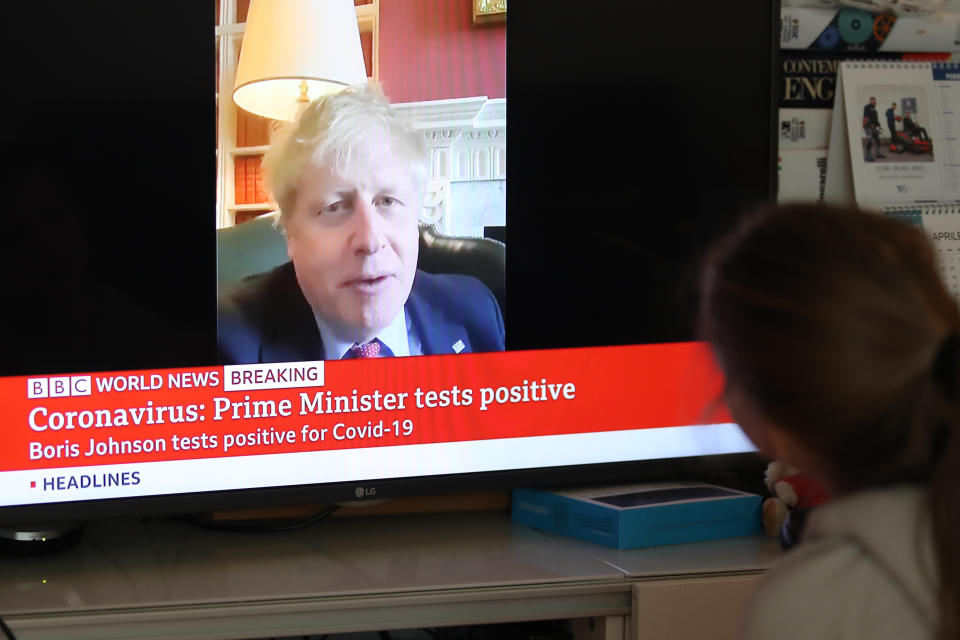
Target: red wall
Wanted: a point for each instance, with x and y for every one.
(430, 50)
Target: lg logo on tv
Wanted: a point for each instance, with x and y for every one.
(361, 492)
(58, 387)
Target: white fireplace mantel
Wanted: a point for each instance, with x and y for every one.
(467, 142)
(455, 113)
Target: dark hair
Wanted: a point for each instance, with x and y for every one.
(838, 327)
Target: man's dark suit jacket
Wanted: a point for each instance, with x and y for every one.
(268, 320)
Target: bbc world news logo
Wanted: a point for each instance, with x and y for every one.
(59, 387)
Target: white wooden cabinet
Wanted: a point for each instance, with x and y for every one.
(169, 580)
(691, 608)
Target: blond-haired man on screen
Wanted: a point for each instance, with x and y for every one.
(349, 180)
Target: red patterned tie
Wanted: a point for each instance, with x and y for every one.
(372, 349)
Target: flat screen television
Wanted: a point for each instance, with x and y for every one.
(637, 132)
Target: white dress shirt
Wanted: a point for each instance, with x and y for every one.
(399, 336)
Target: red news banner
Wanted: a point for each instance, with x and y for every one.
(180, 414)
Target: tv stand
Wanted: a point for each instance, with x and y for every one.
(129, 578)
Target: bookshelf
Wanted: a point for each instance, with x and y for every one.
(243, 138)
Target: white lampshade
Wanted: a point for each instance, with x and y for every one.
(288, 42)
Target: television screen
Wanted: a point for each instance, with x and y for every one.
(169, 345)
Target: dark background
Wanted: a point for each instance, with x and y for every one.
(109, 133)
(636, 132)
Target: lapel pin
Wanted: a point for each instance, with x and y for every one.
(458, 346)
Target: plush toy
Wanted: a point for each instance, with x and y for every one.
(792, 495)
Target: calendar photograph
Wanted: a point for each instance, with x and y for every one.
(893, 138)
(896, 124)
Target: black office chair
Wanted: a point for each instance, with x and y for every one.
(257, 246)
(482, 258)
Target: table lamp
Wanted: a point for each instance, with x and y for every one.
(295, 51)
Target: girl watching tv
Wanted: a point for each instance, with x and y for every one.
(841, 349)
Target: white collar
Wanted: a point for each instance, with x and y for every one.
(394, 335)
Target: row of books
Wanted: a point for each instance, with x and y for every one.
(248, 182)
(252, 131)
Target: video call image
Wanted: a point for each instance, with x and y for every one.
(379, 196)
(145, 253)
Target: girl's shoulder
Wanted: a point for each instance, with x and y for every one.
(864, 569)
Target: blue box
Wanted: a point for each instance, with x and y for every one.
(641, 515)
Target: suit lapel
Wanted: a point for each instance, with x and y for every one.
(436, 335)
(294, 335)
